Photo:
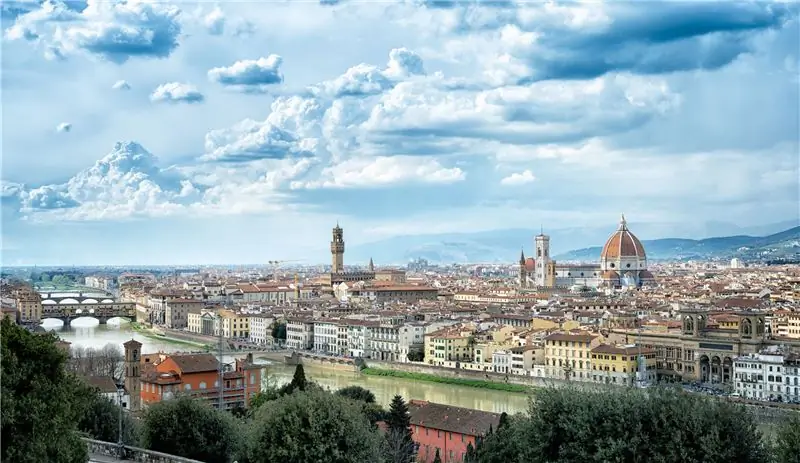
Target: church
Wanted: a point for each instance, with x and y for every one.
(623, 264)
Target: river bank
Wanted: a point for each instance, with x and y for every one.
(160, 336)
(483, 384)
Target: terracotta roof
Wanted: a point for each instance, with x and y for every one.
(623, 243)
(452, 419)
(104, 383)
(570, 337)
(195, 363)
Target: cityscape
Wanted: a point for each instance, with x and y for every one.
(401, 232)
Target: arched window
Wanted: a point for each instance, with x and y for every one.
(202, 384)
(187, 386)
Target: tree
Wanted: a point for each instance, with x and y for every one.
(357, 393)
(398, 423)
(40, 402)
(415, 356)
(279, 332)
(298, 382)
(312, 426)
(471, 455)
(787, 440)
(101, 420)
(190, 428)
(627, 425)
(437, 458)
(106, 361)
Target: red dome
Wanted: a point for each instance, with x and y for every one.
(530, 264)
(622, 244)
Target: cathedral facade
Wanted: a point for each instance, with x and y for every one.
(622, 264)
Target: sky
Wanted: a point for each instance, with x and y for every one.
(239, 132)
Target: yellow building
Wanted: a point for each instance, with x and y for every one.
(543, 324)
(234, 325)
(29, 305)
(449, 345)
(568, 355)
(619, 364)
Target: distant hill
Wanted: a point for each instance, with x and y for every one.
(778, 245)
(504, 245)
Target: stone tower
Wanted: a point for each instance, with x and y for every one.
(542, 259)
(133, 358)
(371, 265)
(337, 250)
(523, 272)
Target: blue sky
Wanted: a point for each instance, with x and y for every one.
(139, 132)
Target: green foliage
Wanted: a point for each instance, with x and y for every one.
(100, 420)
(263, 397)
(41, 403)
(478, 383)
(357, 393)
(312, 426)
(437, 458)
(298, 383)
(415, 356)
(398, 423)
(787, 441)
(191, 428)
(657, 425)
(279, 331)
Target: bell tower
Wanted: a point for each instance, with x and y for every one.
(542, 259)
(133, 358)
(337, 250)
(523, 272)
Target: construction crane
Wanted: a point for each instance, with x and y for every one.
(276, 264)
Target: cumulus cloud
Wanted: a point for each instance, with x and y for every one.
(121, 85)
(366, 79)
(176, 92)
(113, 31)
(518, 178)
(383, 172)
(249, 75)
(64, 127)
(214, 21)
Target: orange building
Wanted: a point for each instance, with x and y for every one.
(198, 375)
(448, 429)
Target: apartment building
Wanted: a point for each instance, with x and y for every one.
(568, 355)
(448, 430)
(233, 325)
(525, 359)
(29, 305)
(619, 365)
(326, 336)
(449, 345)
(260, 329)
(769, 375)
(411, 338)
(203, 322)
(299, 333)
(176, 312)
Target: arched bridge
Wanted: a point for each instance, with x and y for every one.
(80, 298)
(102, 312)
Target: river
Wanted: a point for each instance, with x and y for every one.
(88, 333)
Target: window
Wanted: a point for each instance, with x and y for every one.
(187, 386)
(202, 384)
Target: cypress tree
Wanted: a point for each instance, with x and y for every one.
(399, 424)
(437, 458)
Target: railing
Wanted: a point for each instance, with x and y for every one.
(129, 453)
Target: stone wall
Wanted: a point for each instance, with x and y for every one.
(110, 449)
(322, 361)
(532, 381)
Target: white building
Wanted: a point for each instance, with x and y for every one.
(501, 361)
(299, 333)
(358, 337)
(410, 338)
(326, 337)
(260, 329)
(761, 376)
(737, 263)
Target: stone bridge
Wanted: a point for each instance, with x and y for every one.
(102, 312)
(82, 298)
(109, 452)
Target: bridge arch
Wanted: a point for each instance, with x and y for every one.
(89, 301)
(69, 300)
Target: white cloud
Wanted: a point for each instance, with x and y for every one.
(176, 92)
(249, 75)
(518, 178)
(383, 172)
(114, 31)
(214, 21)
(64, 127)
(121, 85)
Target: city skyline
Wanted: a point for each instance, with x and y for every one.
(238, 132)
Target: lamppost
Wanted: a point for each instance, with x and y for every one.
(120, 445)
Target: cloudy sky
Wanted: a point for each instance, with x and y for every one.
(238, 132)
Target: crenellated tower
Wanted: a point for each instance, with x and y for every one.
(337, 250)
(523, 272)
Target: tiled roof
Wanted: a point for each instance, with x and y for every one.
(452, 419)
(196, 363)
